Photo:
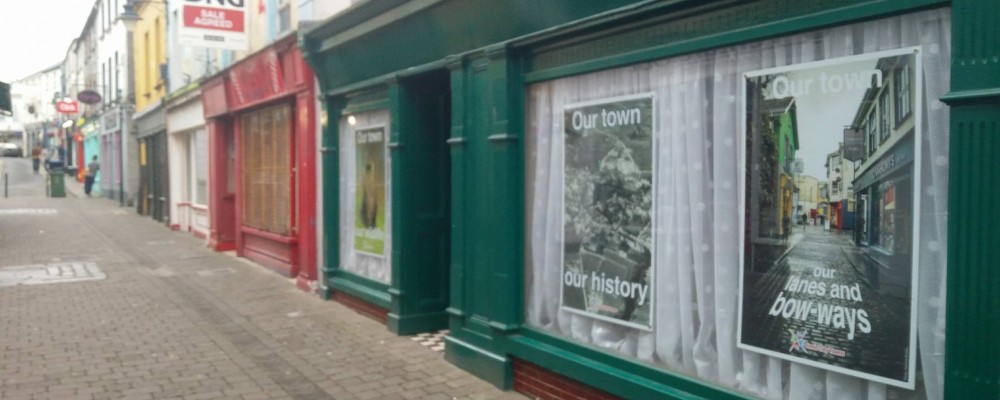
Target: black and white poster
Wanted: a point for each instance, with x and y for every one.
(829, 260)
(609, 150)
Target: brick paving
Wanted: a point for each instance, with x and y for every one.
(159, 327)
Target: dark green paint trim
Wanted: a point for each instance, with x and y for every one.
(350, 50)
(990, 95)
(356, 14)
(376, 22)
(610, 373)
(362, 288)
(417, 323)
(972, 356)
(331, 192)
(491, 367)
(729, 37)
(374, 98)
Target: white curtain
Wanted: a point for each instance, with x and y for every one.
(366, 265)
(697, 271)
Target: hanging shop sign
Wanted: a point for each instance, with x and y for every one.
(89, 97)
(369, 205)
(218, 24)
(67, 106)
(854, 144)
(608, 210)
(814, 296)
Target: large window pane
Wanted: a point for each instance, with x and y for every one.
(696, 185)
(266, 170)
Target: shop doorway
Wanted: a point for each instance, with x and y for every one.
(422, 193)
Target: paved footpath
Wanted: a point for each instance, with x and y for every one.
(163, 317)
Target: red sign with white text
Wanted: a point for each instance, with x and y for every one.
(256, 78)
(213, 18)
(67, 107)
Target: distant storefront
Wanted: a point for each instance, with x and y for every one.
(154, 191)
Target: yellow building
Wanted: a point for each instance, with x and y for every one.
(149, 47)
(149, 51)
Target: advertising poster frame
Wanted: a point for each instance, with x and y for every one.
(808, 349)
(648, 102)
(360, 208)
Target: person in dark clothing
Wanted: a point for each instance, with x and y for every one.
(88, 181)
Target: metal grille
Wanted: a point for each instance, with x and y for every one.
(266, 170)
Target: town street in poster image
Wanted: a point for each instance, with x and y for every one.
(607, 220)
(828, 264)
(369, 206)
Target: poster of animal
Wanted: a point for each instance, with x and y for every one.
(369, 205)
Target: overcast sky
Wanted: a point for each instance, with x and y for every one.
(35, 34)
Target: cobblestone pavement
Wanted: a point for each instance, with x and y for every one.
(778, 309)
(174, 320)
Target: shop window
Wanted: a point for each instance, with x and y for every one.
(365, 213)
(266, 169)
(639, 181)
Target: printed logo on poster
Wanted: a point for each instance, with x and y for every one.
(609, 159)
(219, 24)
(840, 293)
(369, 196)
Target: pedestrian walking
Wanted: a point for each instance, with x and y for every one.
(88, 181)
(36, 158)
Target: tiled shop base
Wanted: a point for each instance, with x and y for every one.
(431, 340)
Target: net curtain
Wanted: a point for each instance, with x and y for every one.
(697, 273)
(365, 265)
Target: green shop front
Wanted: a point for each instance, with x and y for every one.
(598, 199)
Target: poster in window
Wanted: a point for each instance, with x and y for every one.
(608, 194)
(837, 291)
(369, 204)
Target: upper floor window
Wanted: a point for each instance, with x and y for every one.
(902, 88)
(872, 128)
(284, 16)
(883, 116)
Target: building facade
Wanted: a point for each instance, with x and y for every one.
(150, 68)
(488, 169)
(260, 126)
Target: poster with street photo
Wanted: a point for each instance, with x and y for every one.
(830, 223)
(369, 204)
(608, 210)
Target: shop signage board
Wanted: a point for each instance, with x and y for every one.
(823, 297)
(607, 220)
(369, 197)
(217, 24)
(67, 106)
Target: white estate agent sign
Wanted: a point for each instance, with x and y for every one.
(220, 24)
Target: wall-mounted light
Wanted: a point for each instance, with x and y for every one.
(351, 120)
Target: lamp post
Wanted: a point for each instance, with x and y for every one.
(129, 18)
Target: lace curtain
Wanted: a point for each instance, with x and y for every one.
(697, 273)
(366, 265)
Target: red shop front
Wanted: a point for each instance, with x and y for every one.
(262, 180)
